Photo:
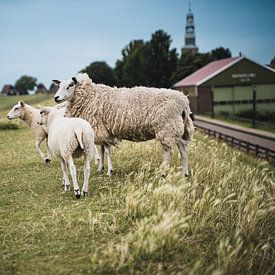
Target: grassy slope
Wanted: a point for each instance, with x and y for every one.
(219, 219)
(7, 101)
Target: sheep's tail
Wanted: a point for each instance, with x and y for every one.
(78, 133)
(188, 125)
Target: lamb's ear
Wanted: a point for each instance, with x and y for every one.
(44, 110)
(74, 80)
(21, 103)
(56, 82)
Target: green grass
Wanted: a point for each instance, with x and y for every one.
(219, 220)
(6, 102)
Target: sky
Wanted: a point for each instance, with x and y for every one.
(55, 39)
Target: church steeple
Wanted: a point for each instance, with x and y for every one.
(190, 37)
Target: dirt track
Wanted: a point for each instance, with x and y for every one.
(256, 137)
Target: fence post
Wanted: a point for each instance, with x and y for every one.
(257, 150)
(266, 153)
(254, 106)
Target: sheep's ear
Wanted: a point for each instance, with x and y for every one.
(56, 82)
(21, 103)
(44, 111)
(74, 80)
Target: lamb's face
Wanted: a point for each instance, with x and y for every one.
(65, 90)
(44, 113)
(16, 111)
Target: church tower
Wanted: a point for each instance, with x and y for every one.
(190, 38)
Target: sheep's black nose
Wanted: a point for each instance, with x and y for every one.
(56, 98)
(8, 117)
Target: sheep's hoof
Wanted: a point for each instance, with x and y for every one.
(164, 175)
(48, 160)
(84, 193)
(97, 161)
(186, 175)
(110, 173)
(77, 193)
(67, 187)
(100, 169)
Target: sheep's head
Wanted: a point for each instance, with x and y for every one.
(16, 111)
(44, 113)
(65, 90)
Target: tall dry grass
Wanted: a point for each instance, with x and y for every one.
(219, 220)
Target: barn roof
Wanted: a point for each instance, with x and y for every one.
(207, 72)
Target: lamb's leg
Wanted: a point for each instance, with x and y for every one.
(37, 146)
(96, 155)
(65, 175)
(49, 157)
(166, 159)
(182, 146)
(101, 161)
(110, 166)
(86, 175)
(73, 174)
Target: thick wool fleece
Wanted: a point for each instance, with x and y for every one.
(135, 114)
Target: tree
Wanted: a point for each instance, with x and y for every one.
(150, 63)
(159, 62)
(24, 84)
(128, 71)
(220, 53)
(100, 72)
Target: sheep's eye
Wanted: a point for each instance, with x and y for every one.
(15, 109)
(70, 85)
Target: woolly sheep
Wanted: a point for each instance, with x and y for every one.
(135, 114)
(30, 116)
(68, 138)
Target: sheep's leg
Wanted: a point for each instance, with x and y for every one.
(49, 157)
(73, 174)
(101, 161)
(182, 146)
(96, 155)
(166, 159)
(86, 175)
(37, 146)
(110, 166)
(65, 179)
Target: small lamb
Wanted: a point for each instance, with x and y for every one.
(68, 138)
(31, 116)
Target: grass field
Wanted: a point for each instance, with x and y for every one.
(7, 101)
(219, 220)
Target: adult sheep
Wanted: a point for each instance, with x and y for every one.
(134, 114)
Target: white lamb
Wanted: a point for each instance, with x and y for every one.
(68, 138)
(135, 114)
(31, 116)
